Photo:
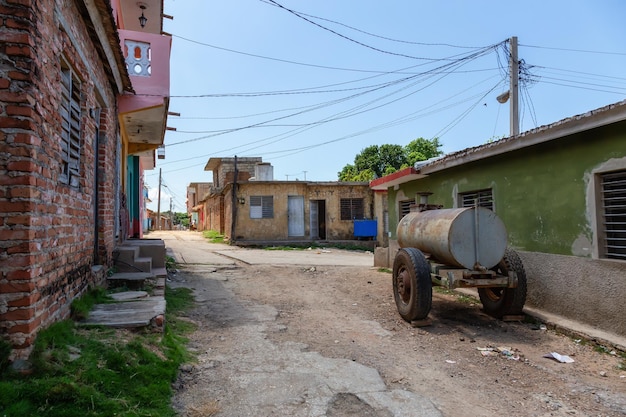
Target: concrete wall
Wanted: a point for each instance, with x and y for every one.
(47, 226)
(276, 228)
(546, 196)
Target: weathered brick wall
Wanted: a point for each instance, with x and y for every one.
(47, 227)
(276, 228)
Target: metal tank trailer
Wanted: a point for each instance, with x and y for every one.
(456, 248)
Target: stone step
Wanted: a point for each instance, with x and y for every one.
(131, 279)
(149, 311)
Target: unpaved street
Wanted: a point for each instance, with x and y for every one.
(309, 338)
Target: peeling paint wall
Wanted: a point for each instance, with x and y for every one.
(276, 228)
(547, 196)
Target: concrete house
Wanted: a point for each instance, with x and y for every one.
(561, 193)
(84, 98)
(259, 210)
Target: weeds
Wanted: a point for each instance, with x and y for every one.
(461, 297)
(81, 306)
(101, 371)
(213, 236)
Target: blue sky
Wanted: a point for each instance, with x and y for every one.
(308, 85)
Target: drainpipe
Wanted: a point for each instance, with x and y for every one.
(95, 114)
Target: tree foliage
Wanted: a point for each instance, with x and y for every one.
(377, 161)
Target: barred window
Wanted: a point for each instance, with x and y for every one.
(482, 198)
(405, 208)
(261, 207)
(613, 189)
(70, 127)
(351, 208)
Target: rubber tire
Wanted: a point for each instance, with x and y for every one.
(418, 300)
(500, 302)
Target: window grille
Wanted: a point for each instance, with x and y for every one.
(70, 127)
(484, 198)
(614, 214)
(352, 208)
(405, 207)
(261, 207)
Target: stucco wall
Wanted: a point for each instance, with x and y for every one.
(541, 193)
(586, 290)
(546, 198)
(276, 228)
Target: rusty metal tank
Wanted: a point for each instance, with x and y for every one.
(464, 237)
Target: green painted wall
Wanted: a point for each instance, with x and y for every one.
(539, 192)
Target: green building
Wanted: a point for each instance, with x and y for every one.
(560, 191)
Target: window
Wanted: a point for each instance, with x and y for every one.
(613, 189)
(261, 207)
(483, 198)
(405, 208)
(351, 208)
(70, 127)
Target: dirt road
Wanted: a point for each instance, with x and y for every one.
(322, 340)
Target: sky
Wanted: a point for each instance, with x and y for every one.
(308, 84)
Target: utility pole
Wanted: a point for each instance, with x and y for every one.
(159, 203)
(514, 88)
(171, 215)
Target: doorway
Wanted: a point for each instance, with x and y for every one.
(318, 219)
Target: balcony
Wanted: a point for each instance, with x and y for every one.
(143, 115)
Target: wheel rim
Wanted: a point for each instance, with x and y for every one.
(404, 285)
(494, 294)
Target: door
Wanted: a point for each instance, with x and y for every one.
(295, 213)
(317, 219)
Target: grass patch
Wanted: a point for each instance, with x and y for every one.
(100, 371)
(213, 236)
(460, 297)
(81, 307)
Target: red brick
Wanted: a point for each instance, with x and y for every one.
(13, 287)
(16, 206)
(18, 314)
(24, 166)
(25, 51)
(18, 75)
(13, 123)
(25, 301)
(17, 37)
(20, 111)
(4, 83)
(22, 274)
(26, 328)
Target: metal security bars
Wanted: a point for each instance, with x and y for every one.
(352, 208)
(614, 214)
(261, 207)
(484, 198)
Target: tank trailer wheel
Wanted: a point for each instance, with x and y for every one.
(499, 302)
(412, 285)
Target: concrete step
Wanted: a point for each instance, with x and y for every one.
(125, 255)
(131, 279)
(146, 312)
(139, 264)
(152, 248)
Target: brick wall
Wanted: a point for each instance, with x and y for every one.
(46, 226)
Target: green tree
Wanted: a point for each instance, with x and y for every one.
(377, 161)
(421, 149)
